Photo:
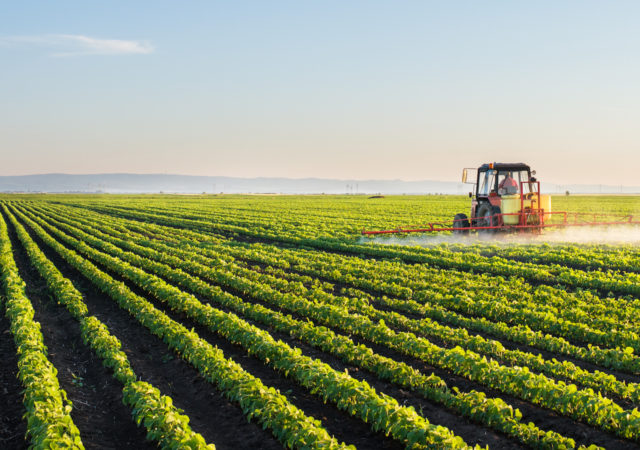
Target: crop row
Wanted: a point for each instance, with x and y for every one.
(586, 257)
(381, 411)
(452, 336)
(48, 411)
(163, 421)
(479, 303)
(270, 408)
(566, 399)
(492, 412)
(552, 304)
(318, 216)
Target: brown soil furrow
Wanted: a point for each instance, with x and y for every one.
(98, 412)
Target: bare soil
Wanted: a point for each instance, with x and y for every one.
(12, 427)
(211, 414)
(98, 412)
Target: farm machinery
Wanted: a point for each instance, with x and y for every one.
(507, 198)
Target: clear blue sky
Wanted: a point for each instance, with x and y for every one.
(362, 89)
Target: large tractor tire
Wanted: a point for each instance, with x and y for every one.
(487, 217)
(461, 224)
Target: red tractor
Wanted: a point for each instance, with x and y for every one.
(507, 198)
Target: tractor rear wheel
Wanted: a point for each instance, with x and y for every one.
(488, 217)
(461, 224)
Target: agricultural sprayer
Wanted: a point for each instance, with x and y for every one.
(507, 198)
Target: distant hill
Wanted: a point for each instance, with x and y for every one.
(186, 184)
(135, 183)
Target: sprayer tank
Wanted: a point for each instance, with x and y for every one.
(511, 205)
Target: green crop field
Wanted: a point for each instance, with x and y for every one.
(270, 322)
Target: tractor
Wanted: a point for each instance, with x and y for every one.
(507, 198)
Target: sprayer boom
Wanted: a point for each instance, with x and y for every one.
(557, 219)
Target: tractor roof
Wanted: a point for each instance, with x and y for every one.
(505, 166)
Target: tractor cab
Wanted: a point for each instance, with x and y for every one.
(498, 179)
(502, 179)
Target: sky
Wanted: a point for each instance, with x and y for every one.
(409, 90)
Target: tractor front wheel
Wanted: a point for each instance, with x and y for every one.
(488, 216)
(461, 224)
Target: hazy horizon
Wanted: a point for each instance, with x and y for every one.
(361, 90)
(178, 183)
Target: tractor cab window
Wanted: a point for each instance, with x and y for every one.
(509, 182)
(486, 182)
